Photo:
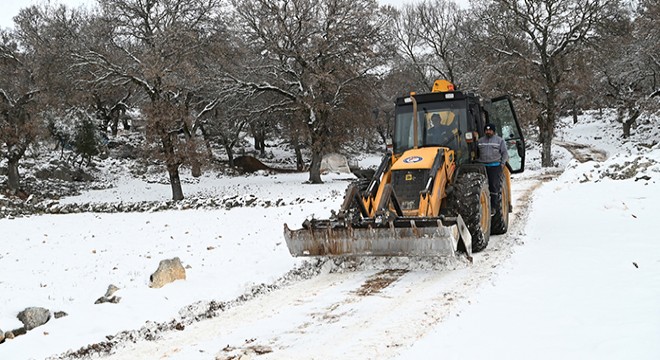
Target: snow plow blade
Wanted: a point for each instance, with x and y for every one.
(404, 237)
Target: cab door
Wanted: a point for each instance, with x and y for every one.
(504, 117)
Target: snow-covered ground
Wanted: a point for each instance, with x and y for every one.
(579, 276)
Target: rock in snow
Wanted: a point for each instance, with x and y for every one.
(33, 317)
(168, 271)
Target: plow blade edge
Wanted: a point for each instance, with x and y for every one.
(437, 240)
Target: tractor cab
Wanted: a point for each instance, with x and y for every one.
(455, 120)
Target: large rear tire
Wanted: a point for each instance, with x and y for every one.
(500, 218)
(471, 199)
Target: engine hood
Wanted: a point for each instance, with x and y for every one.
(414, 159)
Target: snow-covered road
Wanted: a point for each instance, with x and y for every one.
(360, 308)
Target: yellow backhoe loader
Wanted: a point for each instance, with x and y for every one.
(429, 196)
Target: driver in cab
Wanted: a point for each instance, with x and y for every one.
(440, 131)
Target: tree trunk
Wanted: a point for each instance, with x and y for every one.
(172, 167)
(14, 180)
(300, 163)
(125, 123)
(230, 154)
(262, 144)
(383, 136)
(319, 132)
(175, 182)
(628, 123)
(317, 156)
(546, 150)
(626, 129)
(207, 143)
(621, 115)
(575, 112)
(547, 128)
(545, 134)
(315, 168)
(259, 135)
(257, 142)
(114, 127)
(196, 168)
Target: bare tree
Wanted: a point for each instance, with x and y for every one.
(427, 40)
(225, 122)
(313, 53)
(439, 20)
(397, 82)
(543, 34)
(34, 78)
(649, 35)
(409, 45)
(629, 66)
(50, 33)
(111, 105)
(19, 122)
(156, 45)
(622, 75)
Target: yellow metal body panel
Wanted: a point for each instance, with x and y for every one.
(415, 159)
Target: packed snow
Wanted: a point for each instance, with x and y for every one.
(577, 277)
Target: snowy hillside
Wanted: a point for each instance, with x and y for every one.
(577, 276)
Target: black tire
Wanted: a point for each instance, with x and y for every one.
(499, 222)
(471, 199)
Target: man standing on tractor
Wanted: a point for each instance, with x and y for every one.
(493, 154)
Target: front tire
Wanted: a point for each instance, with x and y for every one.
(471, 200)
